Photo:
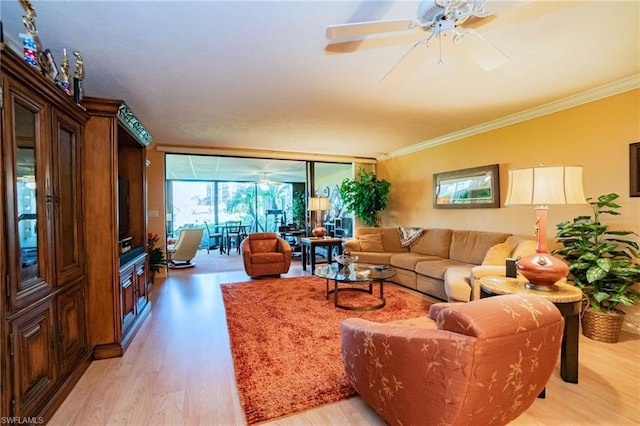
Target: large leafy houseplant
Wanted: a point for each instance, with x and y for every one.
(603, 264)
(156, 255)
(365, 196)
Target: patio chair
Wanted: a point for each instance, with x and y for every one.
(213, 237)
(185, 249)
(235, 232)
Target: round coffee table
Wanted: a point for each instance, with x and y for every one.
(355, 274)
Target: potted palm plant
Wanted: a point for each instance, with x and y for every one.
(365, 196)
(604, 264)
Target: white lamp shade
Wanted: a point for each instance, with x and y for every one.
(545, 185)
(318, 203)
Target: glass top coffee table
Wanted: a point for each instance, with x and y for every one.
(358, 275)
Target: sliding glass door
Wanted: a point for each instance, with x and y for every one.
(264, 194)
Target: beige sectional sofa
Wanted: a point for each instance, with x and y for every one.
(441, 261)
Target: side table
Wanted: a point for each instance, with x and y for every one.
(309, 246)
(568, 301)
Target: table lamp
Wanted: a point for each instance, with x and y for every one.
(541, 186)
(318, 204)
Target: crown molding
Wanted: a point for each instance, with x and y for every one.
(276, 155)
(602, 92)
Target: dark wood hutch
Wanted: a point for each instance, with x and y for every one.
(44, 348)
(114, 171)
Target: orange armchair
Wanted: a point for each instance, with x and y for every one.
(264, 254)
(482, 362)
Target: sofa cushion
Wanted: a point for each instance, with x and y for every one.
(371, 242)
(390, 238)
(471, 246)
(497, 254)
(409, 260)
(437, 268)
(434, 242)
(372, 258)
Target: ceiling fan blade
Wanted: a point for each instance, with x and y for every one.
(481, 50)
(475, 21)
(361, 29)
(510, 13)
(408, 63)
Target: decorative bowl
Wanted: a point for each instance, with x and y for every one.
(346, 260)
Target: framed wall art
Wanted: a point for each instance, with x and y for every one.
(474, 188)
(634, 169)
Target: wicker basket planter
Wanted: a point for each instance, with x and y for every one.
(602, 326)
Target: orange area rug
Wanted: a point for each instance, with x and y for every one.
(285, 341)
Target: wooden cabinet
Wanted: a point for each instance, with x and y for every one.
(115, 162)
(133, 292)
(44, 346)
(32, 346)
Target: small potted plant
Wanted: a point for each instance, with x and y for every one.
(604, 265)
(365, 196)
(156, 255)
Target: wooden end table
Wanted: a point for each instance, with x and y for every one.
(568, 300)
(309, 246)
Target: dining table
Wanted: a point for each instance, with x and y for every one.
(223, 230)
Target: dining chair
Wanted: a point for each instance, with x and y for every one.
(213, 237)
(234, 233)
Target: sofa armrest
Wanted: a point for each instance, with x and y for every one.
(351, 245)
(482, 271)
(457, 284)
(283, 246)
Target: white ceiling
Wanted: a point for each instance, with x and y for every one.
(209, 168)
(261, 75)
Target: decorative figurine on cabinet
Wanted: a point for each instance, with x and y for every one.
(64, 73)
(78, 76)
(30, 40)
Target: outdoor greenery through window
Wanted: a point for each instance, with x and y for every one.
(260, 206)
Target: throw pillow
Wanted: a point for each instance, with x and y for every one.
(497, 254)
(371, 242)
(524, 249)
(409, 235)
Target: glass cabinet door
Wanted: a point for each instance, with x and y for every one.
(31, 207)
(66, 198)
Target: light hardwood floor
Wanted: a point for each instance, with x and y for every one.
(178, 371)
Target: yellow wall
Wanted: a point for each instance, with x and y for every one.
(155, 197)
(595, 135)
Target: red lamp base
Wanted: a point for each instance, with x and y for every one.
(319, 231)
(542, 271)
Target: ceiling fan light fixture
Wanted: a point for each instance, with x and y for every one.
(437, 18)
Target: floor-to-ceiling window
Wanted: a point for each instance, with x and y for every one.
(264, 194)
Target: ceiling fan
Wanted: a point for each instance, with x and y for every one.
(438, 18)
